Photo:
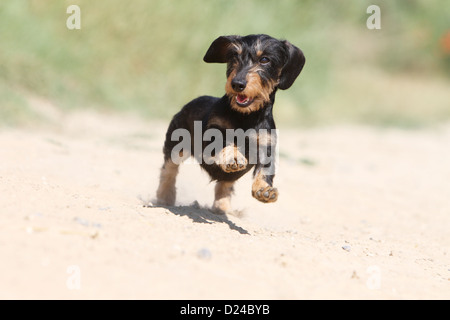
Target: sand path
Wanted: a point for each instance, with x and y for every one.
(363, 213)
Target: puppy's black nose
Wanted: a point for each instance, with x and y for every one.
(238, 85)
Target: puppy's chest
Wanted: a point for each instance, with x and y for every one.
(240, 134)
(225, 122)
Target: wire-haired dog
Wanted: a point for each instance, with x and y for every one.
(258, 65)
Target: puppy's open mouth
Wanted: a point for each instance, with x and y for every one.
(243, 100)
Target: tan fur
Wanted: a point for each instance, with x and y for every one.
(222, 199)
(166, 193)
(228, 88)
(258, 47)
(236, 47)
(259, 182)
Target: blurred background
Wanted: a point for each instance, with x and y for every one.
(145, 57)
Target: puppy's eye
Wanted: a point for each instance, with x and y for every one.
(264, 60)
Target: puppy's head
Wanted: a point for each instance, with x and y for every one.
(257, 65)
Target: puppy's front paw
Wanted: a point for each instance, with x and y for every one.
(231, 160)
(233, 167)
(266, 194)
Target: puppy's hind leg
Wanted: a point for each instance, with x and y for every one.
(222, 199)
(166, 193)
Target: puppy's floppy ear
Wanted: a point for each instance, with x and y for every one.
(292, 67)
(218, 50)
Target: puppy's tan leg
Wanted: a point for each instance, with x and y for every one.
(222, 200)
(166, 193)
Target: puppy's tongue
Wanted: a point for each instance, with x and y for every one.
(240, 98)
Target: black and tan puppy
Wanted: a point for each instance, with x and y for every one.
(258, 65)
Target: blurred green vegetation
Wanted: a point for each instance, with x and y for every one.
(146, 56)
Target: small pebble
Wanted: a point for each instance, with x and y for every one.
(94, 234)
(347, 248)
(83, 222)
(204, 254)
(87, 223)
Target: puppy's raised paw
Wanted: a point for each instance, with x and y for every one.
(233, 167)
(267, 194)
(231, 160)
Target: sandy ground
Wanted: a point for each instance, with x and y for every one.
(363, 213)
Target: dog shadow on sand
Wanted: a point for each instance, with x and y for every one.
(199, 214)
